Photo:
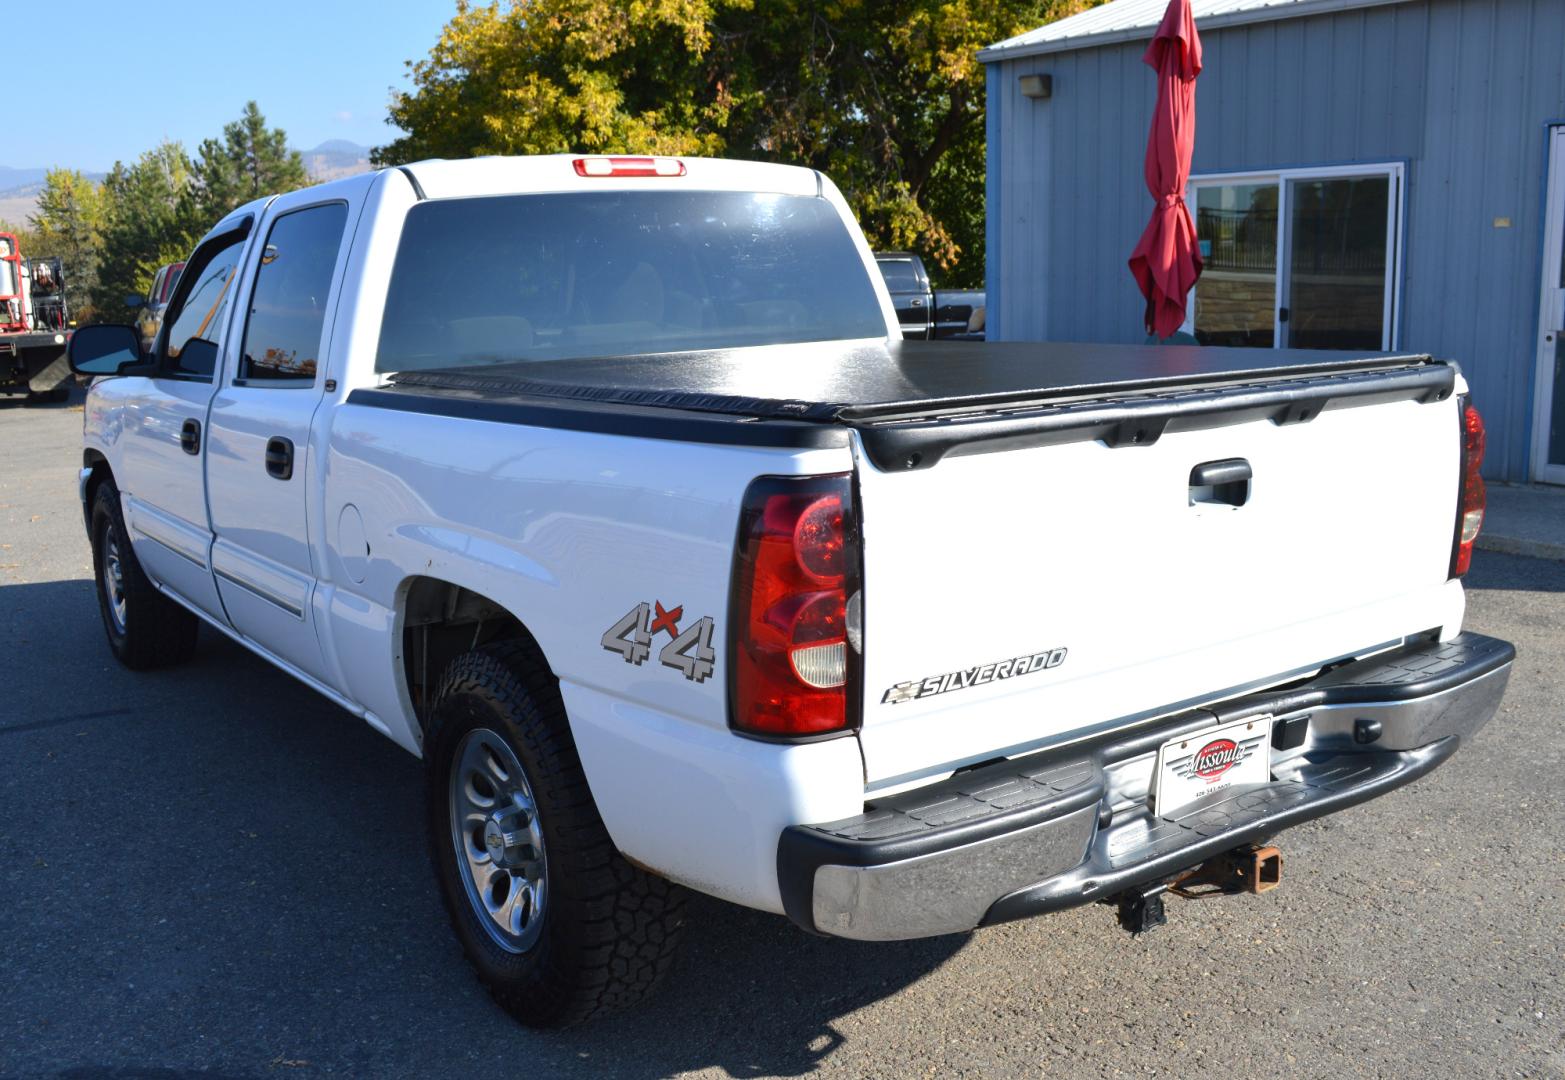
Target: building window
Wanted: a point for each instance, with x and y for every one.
(1299, 258)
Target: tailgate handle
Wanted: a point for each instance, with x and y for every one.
(1225, 482)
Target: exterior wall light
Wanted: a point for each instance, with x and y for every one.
(1037, 87)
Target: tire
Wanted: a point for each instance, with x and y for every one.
(57, 396)
(145, 628)
(588, 934)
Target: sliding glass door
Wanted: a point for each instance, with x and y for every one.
(1236, 297)
(1301, 258)
(1339, 249)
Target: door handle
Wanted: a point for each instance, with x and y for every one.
(190, 437)
(279, 457)
(1226, 482)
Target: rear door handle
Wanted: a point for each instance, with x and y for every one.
(190, 437)
(279, 457)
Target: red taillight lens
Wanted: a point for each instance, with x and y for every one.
(628, 166)
(1470, 500)
(795, 569)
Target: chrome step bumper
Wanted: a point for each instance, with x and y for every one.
(1041, 833)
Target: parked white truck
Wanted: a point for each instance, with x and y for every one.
(607, 486)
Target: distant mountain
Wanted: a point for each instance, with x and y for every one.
(19, 178)
(336, 158)
(20, 183)
(341, 146)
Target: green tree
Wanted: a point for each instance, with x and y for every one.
(68, 224)
(885, 96)
(146, 223)
(249, 161)
(154, 211)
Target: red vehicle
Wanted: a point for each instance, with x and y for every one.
(150, 317)
(34, 325)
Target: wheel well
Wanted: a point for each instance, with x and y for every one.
(92, 459)
(441, 621)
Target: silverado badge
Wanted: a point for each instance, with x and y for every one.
(1008, 668)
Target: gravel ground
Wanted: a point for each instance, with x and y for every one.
(213, 872)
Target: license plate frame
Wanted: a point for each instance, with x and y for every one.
(1197, 766)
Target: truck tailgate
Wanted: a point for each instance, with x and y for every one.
(1015, 599)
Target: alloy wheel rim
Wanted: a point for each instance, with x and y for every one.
(114, 579)
(498, 840)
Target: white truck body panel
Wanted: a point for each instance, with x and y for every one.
(562, 525)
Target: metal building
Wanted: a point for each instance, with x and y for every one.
(1367, 174)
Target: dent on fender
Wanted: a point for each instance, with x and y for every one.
(468, 548)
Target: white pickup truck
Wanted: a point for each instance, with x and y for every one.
(607, 486)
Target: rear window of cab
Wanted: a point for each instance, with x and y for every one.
(481, 281)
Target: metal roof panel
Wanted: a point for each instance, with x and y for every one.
(1129, 20)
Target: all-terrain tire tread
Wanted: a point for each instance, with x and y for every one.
(626, 921)
(158, 632)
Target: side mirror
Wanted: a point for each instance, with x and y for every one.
(134, 300)
(107, 349)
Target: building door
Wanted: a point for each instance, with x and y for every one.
(1300, 258)
(1548, 422)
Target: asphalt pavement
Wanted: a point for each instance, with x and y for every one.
(213, 872)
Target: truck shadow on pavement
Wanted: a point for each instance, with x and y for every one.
(74, 396)
(1493, 570)
(255, 895)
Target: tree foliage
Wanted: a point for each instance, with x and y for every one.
(251, 160)
(155, 210)
(885, 96)
(146, 223)
(68, 225)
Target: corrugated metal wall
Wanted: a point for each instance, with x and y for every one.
(1461, 90)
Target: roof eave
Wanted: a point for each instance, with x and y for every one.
(1274, 13)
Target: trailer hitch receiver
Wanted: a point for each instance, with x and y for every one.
(1251, 869)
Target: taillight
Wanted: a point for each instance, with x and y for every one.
(1470, 498)
(793, 622)
(628, 166)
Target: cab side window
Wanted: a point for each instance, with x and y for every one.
(283, 332)
(195, 325)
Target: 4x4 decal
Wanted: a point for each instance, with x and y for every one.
(687, 651)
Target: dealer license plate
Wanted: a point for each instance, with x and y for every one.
(1200, 766)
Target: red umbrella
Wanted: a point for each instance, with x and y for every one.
(1167, 261)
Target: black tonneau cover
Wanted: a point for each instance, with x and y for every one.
(913, 402)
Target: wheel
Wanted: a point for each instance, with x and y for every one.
(555, 922)
(49, 397)
(146, 629)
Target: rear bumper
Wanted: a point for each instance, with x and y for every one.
(1063, 828)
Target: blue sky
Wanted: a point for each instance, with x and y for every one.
(110, 79)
